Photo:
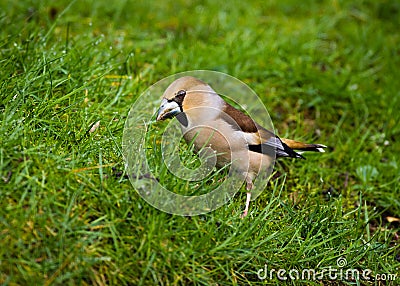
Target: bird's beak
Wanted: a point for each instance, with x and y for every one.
(168, 109)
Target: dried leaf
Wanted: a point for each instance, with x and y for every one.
(94, 127)
(392, 219)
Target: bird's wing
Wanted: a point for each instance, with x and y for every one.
(258, 138)
(272, 143)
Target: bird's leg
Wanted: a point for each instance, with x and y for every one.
(249, 186)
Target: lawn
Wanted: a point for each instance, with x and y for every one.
(327, 71)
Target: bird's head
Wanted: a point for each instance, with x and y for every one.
(185, 94)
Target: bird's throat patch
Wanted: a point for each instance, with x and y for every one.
(182, 118)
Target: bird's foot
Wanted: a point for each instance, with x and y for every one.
(246, 209)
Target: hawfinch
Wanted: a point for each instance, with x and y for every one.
(208, 121)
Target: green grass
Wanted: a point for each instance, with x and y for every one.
(327, 72)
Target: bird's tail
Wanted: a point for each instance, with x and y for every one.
(296, 145)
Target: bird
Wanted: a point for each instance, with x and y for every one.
(207, 120)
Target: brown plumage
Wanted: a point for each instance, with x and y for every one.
(303, 146)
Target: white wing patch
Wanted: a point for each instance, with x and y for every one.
(274, 142)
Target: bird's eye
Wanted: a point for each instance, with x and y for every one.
(181, 93)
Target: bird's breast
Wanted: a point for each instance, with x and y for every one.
(219, 136)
